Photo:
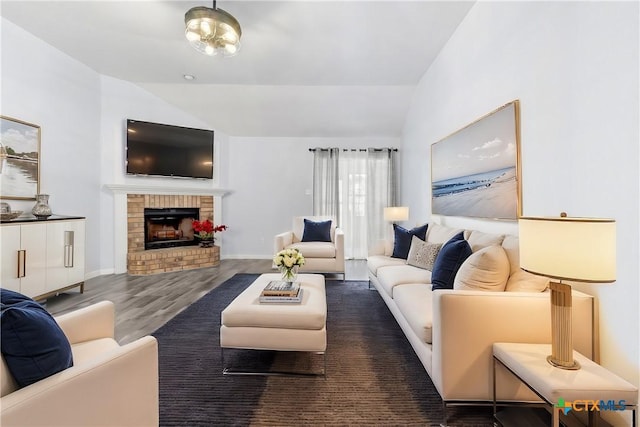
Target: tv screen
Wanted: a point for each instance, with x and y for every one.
(166, 150)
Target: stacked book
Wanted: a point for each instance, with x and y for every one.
(279, 291)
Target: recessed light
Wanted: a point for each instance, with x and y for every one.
(189, 77)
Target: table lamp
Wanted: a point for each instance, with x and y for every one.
(396, 213)
(574, 249)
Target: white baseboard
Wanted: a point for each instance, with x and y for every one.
(261, 256)
(97, 273)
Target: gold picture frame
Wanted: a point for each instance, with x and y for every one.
(475, 171)
(19, 159)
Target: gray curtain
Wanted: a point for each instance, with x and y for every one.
(326, 183)
(382, 190)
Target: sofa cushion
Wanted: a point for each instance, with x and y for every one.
(415, 302)
(374, 262)
(392, 276)
(316, 231)
(520, 280)
(33, 345)
(388, 247)
(478, 239)
(402, 239)
(315, 249)
(440, 233)
(485, 270)
(448, 261)
(423, 254)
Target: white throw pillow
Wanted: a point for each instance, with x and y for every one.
(423, 254)
(523, 281)
(520, 280)
(437, 233)
(478, 240)
(485, 270)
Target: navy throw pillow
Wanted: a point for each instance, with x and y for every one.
(33, 345)
(402, 239)
(9, 297)
(316, 231)
(448, 262)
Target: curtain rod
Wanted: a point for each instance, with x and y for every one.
(355, 149)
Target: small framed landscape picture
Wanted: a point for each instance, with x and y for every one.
(19, 159)
(475, 172)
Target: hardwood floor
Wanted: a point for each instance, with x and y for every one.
(144, 303)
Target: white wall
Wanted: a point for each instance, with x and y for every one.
(574, 67)
(43, 86)
(82, 116)
(271, 181)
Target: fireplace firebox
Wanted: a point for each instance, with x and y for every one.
(169, 227)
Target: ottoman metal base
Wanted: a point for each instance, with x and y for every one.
(276, 372)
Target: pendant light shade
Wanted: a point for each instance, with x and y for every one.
(212, 31)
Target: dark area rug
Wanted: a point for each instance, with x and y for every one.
(373, 376)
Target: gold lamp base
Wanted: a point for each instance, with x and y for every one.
(562, 364)
(561, 336)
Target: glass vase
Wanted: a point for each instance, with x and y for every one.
(289, 274)
(41, 210)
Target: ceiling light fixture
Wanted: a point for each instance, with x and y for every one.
(212, 31)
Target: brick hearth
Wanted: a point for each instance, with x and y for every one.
(143, 262)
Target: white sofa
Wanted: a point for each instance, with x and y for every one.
(320, 257)
(452, 331)
(108, 385)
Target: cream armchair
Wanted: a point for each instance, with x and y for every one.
(320, 257)
(109, 384)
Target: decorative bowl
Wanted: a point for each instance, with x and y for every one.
(8, 216)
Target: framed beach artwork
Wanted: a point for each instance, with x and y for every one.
(19, 159)
(475, 172)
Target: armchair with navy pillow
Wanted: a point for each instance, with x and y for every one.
(320, 241)
(70, 371)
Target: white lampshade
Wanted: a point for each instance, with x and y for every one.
(396, 213)
(576, 249)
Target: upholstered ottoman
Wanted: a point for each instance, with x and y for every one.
(248, 324)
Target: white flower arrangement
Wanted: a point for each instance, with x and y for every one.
(288, 258)
(288, 262)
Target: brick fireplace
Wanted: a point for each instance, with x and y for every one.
(152, 261)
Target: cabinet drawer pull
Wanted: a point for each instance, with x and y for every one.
(22, 263)
(68, 248)
(68, 256)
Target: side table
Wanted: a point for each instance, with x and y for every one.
(591, 388)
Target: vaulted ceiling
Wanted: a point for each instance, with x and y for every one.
(306, 68)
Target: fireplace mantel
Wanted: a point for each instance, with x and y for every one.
(165, 189)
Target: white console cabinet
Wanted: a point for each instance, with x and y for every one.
(42, 258)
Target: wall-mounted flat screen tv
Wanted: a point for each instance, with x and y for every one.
(166, 150)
